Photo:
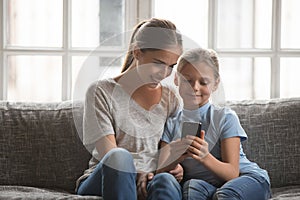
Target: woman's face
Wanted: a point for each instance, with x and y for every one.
(196, 83)
(154, 66)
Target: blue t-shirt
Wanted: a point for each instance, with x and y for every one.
(218, 124)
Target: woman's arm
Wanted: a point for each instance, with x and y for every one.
(162, 159)
(226, 169)
(171, 155)
(105, 144)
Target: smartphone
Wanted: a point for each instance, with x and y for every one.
(190, 128)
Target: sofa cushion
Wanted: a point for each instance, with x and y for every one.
(286, 193)
(273, 128)
(22, 192)
(40, 146)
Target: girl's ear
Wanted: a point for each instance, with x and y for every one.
(216, 84)
(176, 79)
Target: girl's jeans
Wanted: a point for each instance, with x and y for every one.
(120, 182)
(245, 187)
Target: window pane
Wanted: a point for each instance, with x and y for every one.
(289, 77)
(245, 78)
(191, 17)
(244, 24)
(34, 78)
(262, 78)
(95, 21)
(290, 28)
(35, 23)
(86, 70)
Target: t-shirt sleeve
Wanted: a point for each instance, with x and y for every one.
(174, 106)
(175, 102)
(97, 119)
(171, 128)
(168, 131)
(231, 126)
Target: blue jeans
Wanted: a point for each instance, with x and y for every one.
(115, 178)
(245, 187)
(164, 186)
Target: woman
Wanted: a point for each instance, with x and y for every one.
(124, 119)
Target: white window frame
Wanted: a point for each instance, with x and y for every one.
(275, 53)
(2, 72)
(132, 16)
(135, 11)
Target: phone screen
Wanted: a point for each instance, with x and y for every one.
(191, 128)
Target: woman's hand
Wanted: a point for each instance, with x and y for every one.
(177, 172)
(141, 184)
(178, 150)
(171, 154)
(198, 148)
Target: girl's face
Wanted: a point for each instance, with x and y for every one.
(196, 83)
(154, 66)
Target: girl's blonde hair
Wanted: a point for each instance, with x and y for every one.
(150, 35)
(199, 55)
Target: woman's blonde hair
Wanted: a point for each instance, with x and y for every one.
(150, 35)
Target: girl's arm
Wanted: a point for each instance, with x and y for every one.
(226, 169)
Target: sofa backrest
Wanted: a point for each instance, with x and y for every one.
(273, 129)
(40, 146)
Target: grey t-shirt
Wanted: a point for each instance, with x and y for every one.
(111, 110)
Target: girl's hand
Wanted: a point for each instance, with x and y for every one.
(177, 172)
(141, 184)
(198, 148)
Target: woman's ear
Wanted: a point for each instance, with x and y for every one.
(137, 53)
(176, 79)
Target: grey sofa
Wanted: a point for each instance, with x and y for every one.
(41, 154)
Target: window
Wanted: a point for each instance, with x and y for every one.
(258, 42)
(45, 44)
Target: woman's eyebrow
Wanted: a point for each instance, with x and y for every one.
(185, 75)
(163, 62)
(159, 61)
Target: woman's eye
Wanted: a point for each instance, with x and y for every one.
(158, 64)
(186, 80)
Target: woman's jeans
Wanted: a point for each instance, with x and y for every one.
(115, 178)
(245, 187)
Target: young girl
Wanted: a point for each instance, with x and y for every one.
(124, 118)
(215, 165)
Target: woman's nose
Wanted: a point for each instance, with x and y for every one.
(196, 86)
(165, 71)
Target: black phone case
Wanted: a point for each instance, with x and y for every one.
(190, 128)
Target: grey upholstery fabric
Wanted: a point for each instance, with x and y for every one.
(286, 193)
(22, 192)
(273, 128)
(41, 154)
(40, 146)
